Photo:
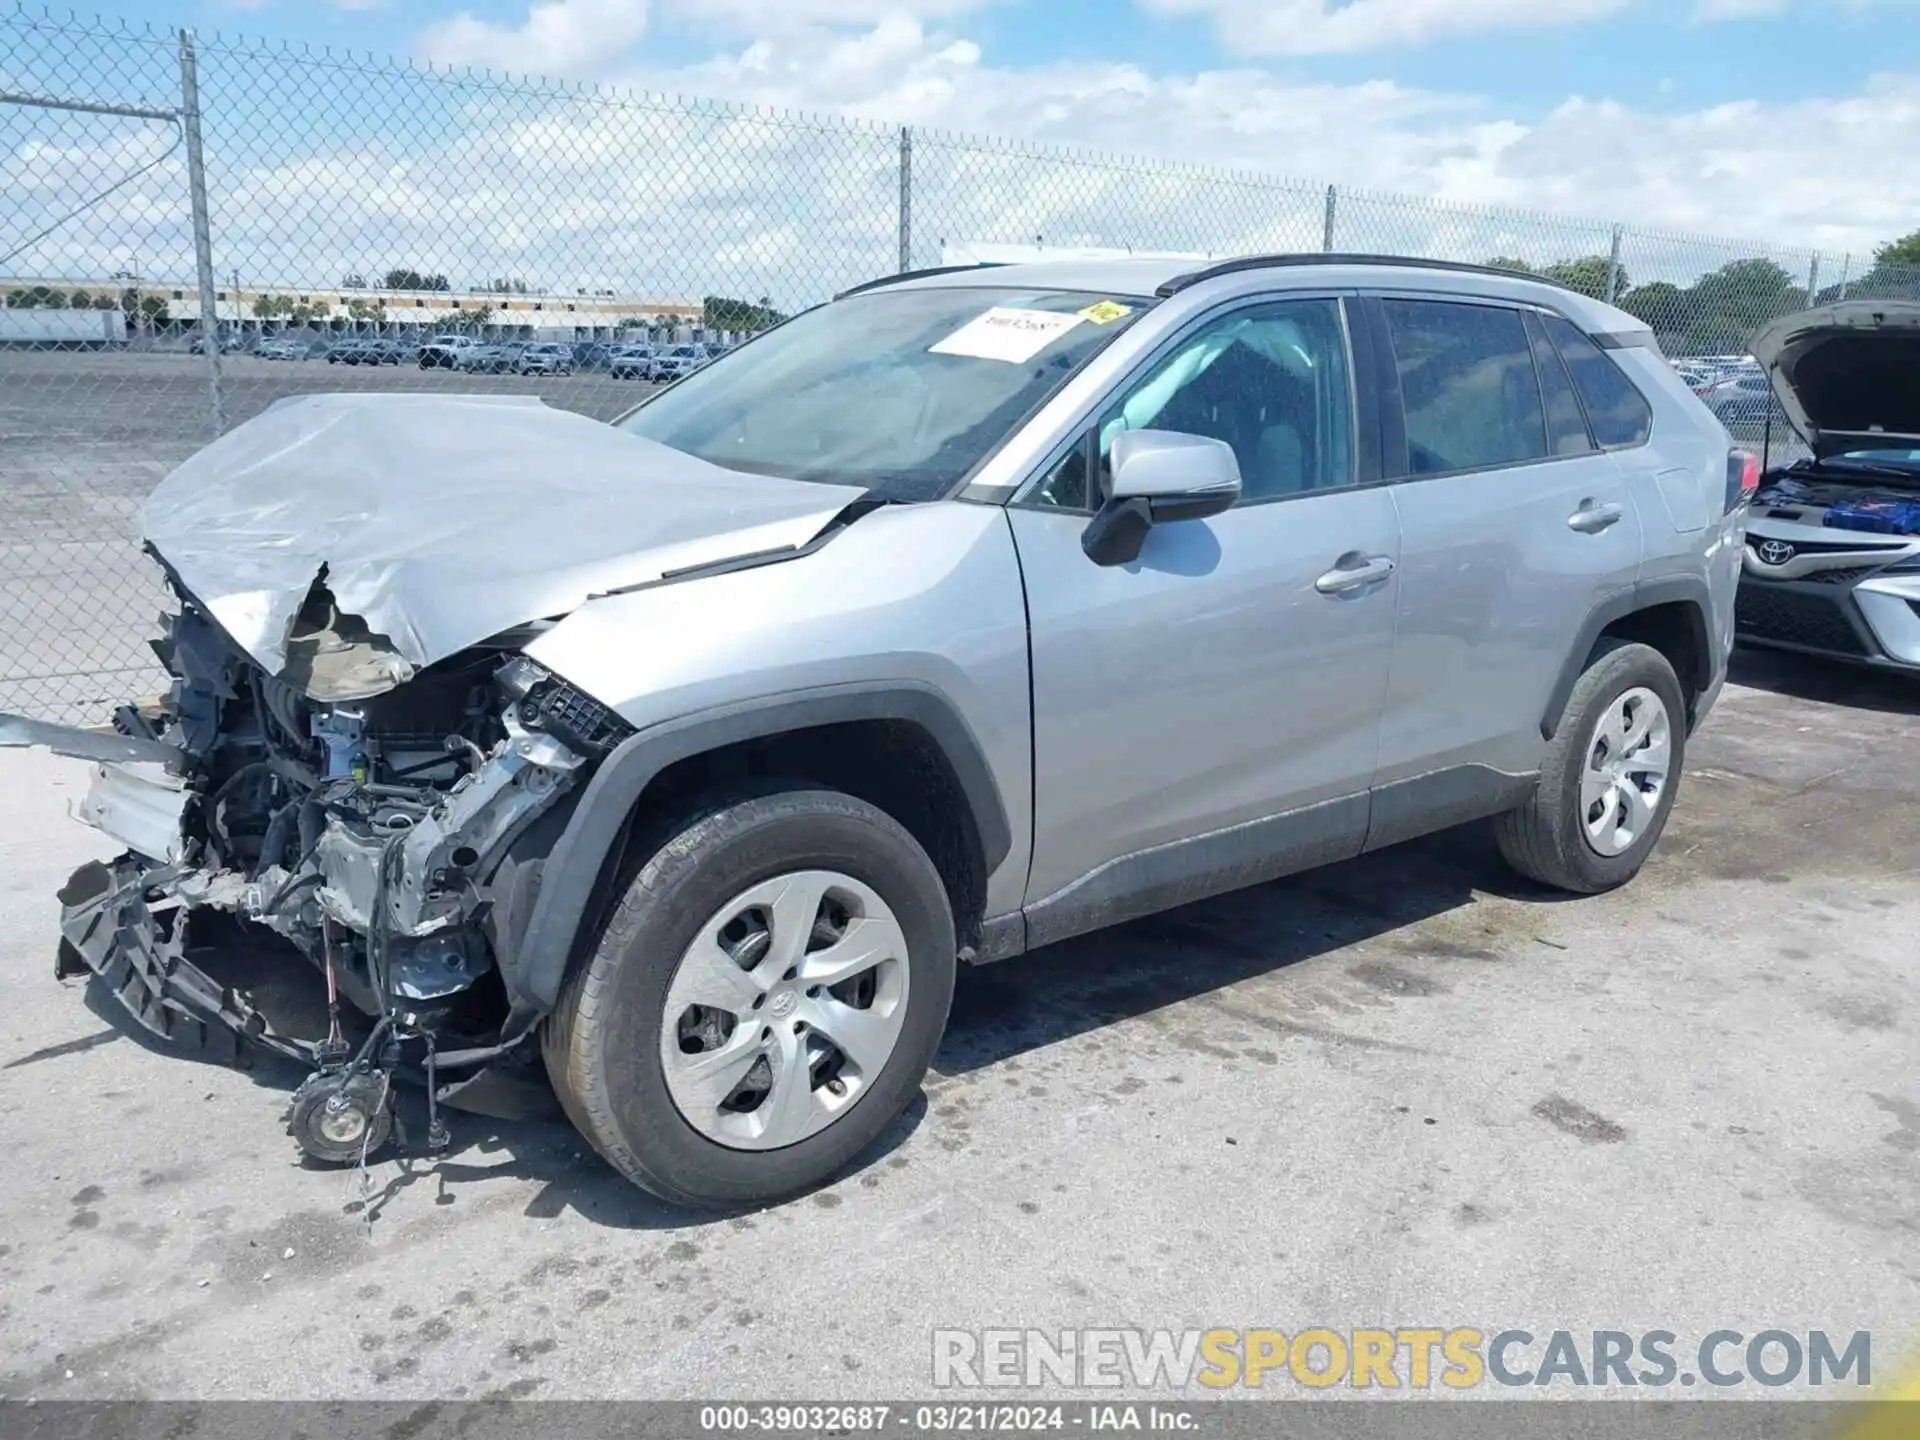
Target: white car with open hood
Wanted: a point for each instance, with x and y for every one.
(1832, 563)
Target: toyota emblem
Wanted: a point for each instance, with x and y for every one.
(1775, 552)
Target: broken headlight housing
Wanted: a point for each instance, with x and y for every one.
(543, 701)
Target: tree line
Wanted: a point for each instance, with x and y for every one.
(138, 308)
(1719, 313)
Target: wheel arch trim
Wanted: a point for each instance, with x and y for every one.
(1691, 591)
(572, 871)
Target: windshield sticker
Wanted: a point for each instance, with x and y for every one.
(1106, 312)
(1006, 333)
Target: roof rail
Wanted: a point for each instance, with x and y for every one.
(1268, 262)
(913, 275)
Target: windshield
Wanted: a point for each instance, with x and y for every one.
(1900, 465)
(1880, 457)
(900, 391)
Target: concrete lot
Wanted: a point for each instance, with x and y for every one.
(1403, 1091)
(83, 437)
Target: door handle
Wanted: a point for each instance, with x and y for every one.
(1592, 517)
(1354, 572)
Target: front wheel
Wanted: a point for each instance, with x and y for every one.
(763, 1002)
(1609, 778)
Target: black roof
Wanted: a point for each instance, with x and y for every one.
(1269, 262)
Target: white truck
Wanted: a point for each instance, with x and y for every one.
(63, 327)
(444, 352)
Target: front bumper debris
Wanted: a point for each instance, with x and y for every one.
(389, 836)
(101, 745)
(111, 930)
(139, 805)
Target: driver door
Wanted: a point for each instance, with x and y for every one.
(1207, 716)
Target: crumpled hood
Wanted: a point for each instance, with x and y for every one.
(1848, 375)
(441, 520)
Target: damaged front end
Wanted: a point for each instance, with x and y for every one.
(388, 823)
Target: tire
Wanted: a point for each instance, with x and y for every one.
(604, 1043)
(1546, 839)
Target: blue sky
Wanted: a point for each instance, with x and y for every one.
(1656, 54)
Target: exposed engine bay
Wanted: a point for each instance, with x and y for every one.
(374, 830)
(1813, 495)
(360, 764)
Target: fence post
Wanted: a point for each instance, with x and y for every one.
(1613, 266)
(1813, 281)
(1326, 229)
(906, 199)
(202, 229)
(1846, 273)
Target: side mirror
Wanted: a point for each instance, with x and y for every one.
(1159, 476)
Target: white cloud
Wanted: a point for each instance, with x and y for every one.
(1309, 27)
(1707, 11)
(558, 37)
(1319, 27)
(769, 17)
(1826, 171)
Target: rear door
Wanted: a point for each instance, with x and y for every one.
(1515, 525)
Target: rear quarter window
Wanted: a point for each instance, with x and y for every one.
(1617, 412)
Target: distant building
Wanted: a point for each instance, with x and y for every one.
(557, 316)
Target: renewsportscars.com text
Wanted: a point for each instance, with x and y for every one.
(1414, 1358)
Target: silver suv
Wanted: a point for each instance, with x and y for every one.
(969, 612)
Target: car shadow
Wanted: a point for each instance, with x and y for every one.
(1004, 1010)
(999, 1012)
(1831, 682)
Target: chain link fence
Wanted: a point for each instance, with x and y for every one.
(194, 227)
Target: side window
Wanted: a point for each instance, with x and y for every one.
(1566, 425)
(1066, 487)
(1619, 413)
(1271, 381)
(1467, 381)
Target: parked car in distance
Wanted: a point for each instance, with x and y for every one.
(678, 360)
(543, 358)
(591, 354)
(976, 610)
(443, 352)
(499, 358)
(631, 362)
(1744, 397)
(283, 347)
(1832, 558)
(350, 352)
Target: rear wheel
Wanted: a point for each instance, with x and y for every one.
(763, 1003)
(1610, 776)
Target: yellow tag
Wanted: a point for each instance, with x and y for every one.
(1105, 312)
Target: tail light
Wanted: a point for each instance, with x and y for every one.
(1743, 477)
